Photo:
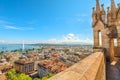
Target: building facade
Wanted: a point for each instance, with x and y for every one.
(50, 66)
(24, 66)
(106, 29)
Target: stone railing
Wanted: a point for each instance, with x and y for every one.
(90, 68)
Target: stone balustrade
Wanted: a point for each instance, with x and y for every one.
(90, 68)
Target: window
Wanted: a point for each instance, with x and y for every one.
(100, 38)
(115, 42)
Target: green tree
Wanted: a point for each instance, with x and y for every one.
(23, 77)
(2, 52)
(11, 51)
(44, 78)
(50, 75)
(6, 50)
(39, 50)
(37, 79)
(12, 75)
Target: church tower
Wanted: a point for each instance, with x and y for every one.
(101, 40)
(106, 30)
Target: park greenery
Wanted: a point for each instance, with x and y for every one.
(13, 75)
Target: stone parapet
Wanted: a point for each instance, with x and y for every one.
(90, 68)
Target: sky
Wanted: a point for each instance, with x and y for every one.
(47, 21)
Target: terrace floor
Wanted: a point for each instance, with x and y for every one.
(113, 71)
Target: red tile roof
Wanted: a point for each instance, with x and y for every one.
(3, 77)
(53, 65)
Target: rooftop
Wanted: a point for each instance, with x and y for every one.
(23, 61)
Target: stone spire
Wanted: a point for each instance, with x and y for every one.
(102, 11)
(102, 7)
(97, 7)
(108, 9)
(108, 15)
(113, 9)
(93, 16)
(93, 11)
(103, 14)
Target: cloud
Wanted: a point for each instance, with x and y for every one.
(69, 39)
(51, 41)
(72, 38)
(5, 22)
(12, 27)
(9, 25)
(16, 28)
(2, 41)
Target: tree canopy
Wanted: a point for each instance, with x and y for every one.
(12, 75)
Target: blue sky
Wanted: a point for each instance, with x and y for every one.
(46, 20)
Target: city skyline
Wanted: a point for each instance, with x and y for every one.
(45, 21)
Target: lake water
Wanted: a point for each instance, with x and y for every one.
(10, 47)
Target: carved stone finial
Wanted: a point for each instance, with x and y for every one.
(113, 7)
(93, 8)
(97, 6)
(108, 9)
(102, 7)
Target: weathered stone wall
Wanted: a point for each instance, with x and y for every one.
(90, 68)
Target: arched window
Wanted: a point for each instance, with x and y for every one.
(100, 38)
(115, 42)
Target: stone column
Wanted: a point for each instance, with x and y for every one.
(111, 50)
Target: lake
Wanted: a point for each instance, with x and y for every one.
(10, 47)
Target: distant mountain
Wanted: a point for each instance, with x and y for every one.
(62, 44)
